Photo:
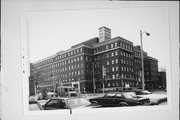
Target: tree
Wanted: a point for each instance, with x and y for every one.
(34, 79)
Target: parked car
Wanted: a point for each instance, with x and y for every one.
(66, 103)
(120, 99)
(155, 99)
(34, 105)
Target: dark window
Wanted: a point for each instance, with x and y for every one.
(61, 104)
(52, 103)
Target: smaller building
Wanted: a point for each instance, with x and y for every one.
(162, 79)
(151, 73)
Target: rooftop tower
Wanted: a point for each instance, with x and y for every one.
(104, 34)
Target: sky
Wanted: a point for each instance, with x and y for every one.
(53, 31)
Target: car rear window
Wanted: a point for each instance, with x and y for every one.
(34, 107)
(78, 102)
(52, 103)
(110, 95)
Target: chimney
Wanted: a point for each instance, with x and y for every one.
(104, 34)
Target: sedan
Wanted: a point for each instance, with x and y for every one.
(119, 99)
(66, 103)
(155, 99)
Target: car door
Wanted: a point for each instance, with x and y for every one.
(51, 104)
(109, 99)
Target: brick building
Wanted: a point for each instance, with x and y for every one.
(83, 64)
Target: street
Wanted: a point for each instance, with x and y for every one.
(158, 95)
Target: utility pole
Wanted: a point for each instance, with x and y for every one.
(94, 83)
(142, 59)
(104, 76)
(122, 82)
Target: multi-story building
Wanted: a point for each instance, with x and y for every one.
(101, 61)
(151, 72)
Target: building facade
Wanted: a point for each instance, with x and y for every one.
(114, 63)
(162, 79)
(151, 72)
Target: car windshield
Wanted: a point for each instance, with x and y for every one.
(129, 95)
(78, 102)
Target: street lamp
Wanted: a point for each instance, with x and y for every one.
(142, 57)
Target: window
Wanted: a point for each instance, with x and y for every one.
(115, 44)
(113, 76)
(119, 95)
(122, 61)
(107, 62)
(52, 103)
(116, 68)
(112, 68)
(112, 54)
(117, 75)
(71, 60)
(107, 54)
(116, 60)
(81, 64)
(82, 71)
(112, 61)
(80, 49)
(116, 53)
(112, 45)
(106, 46)
(110, 95)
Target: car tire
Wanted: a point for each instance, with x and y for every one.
(94, 102)
(123, 104)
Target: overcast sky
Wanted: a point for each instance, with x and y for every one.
(53, 31)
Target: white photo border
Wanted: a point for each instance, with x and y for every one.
(25, 73)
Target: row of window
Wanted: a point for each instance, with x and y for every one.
(113, 45)
(73, 60)
(65, 55)
(117, 84)
(137, 61)
(64, 69)
(115, 53)
(65, 75)
(137, 54)
(50, 81)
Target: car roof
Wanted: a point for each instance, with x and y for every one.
(65, 98)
